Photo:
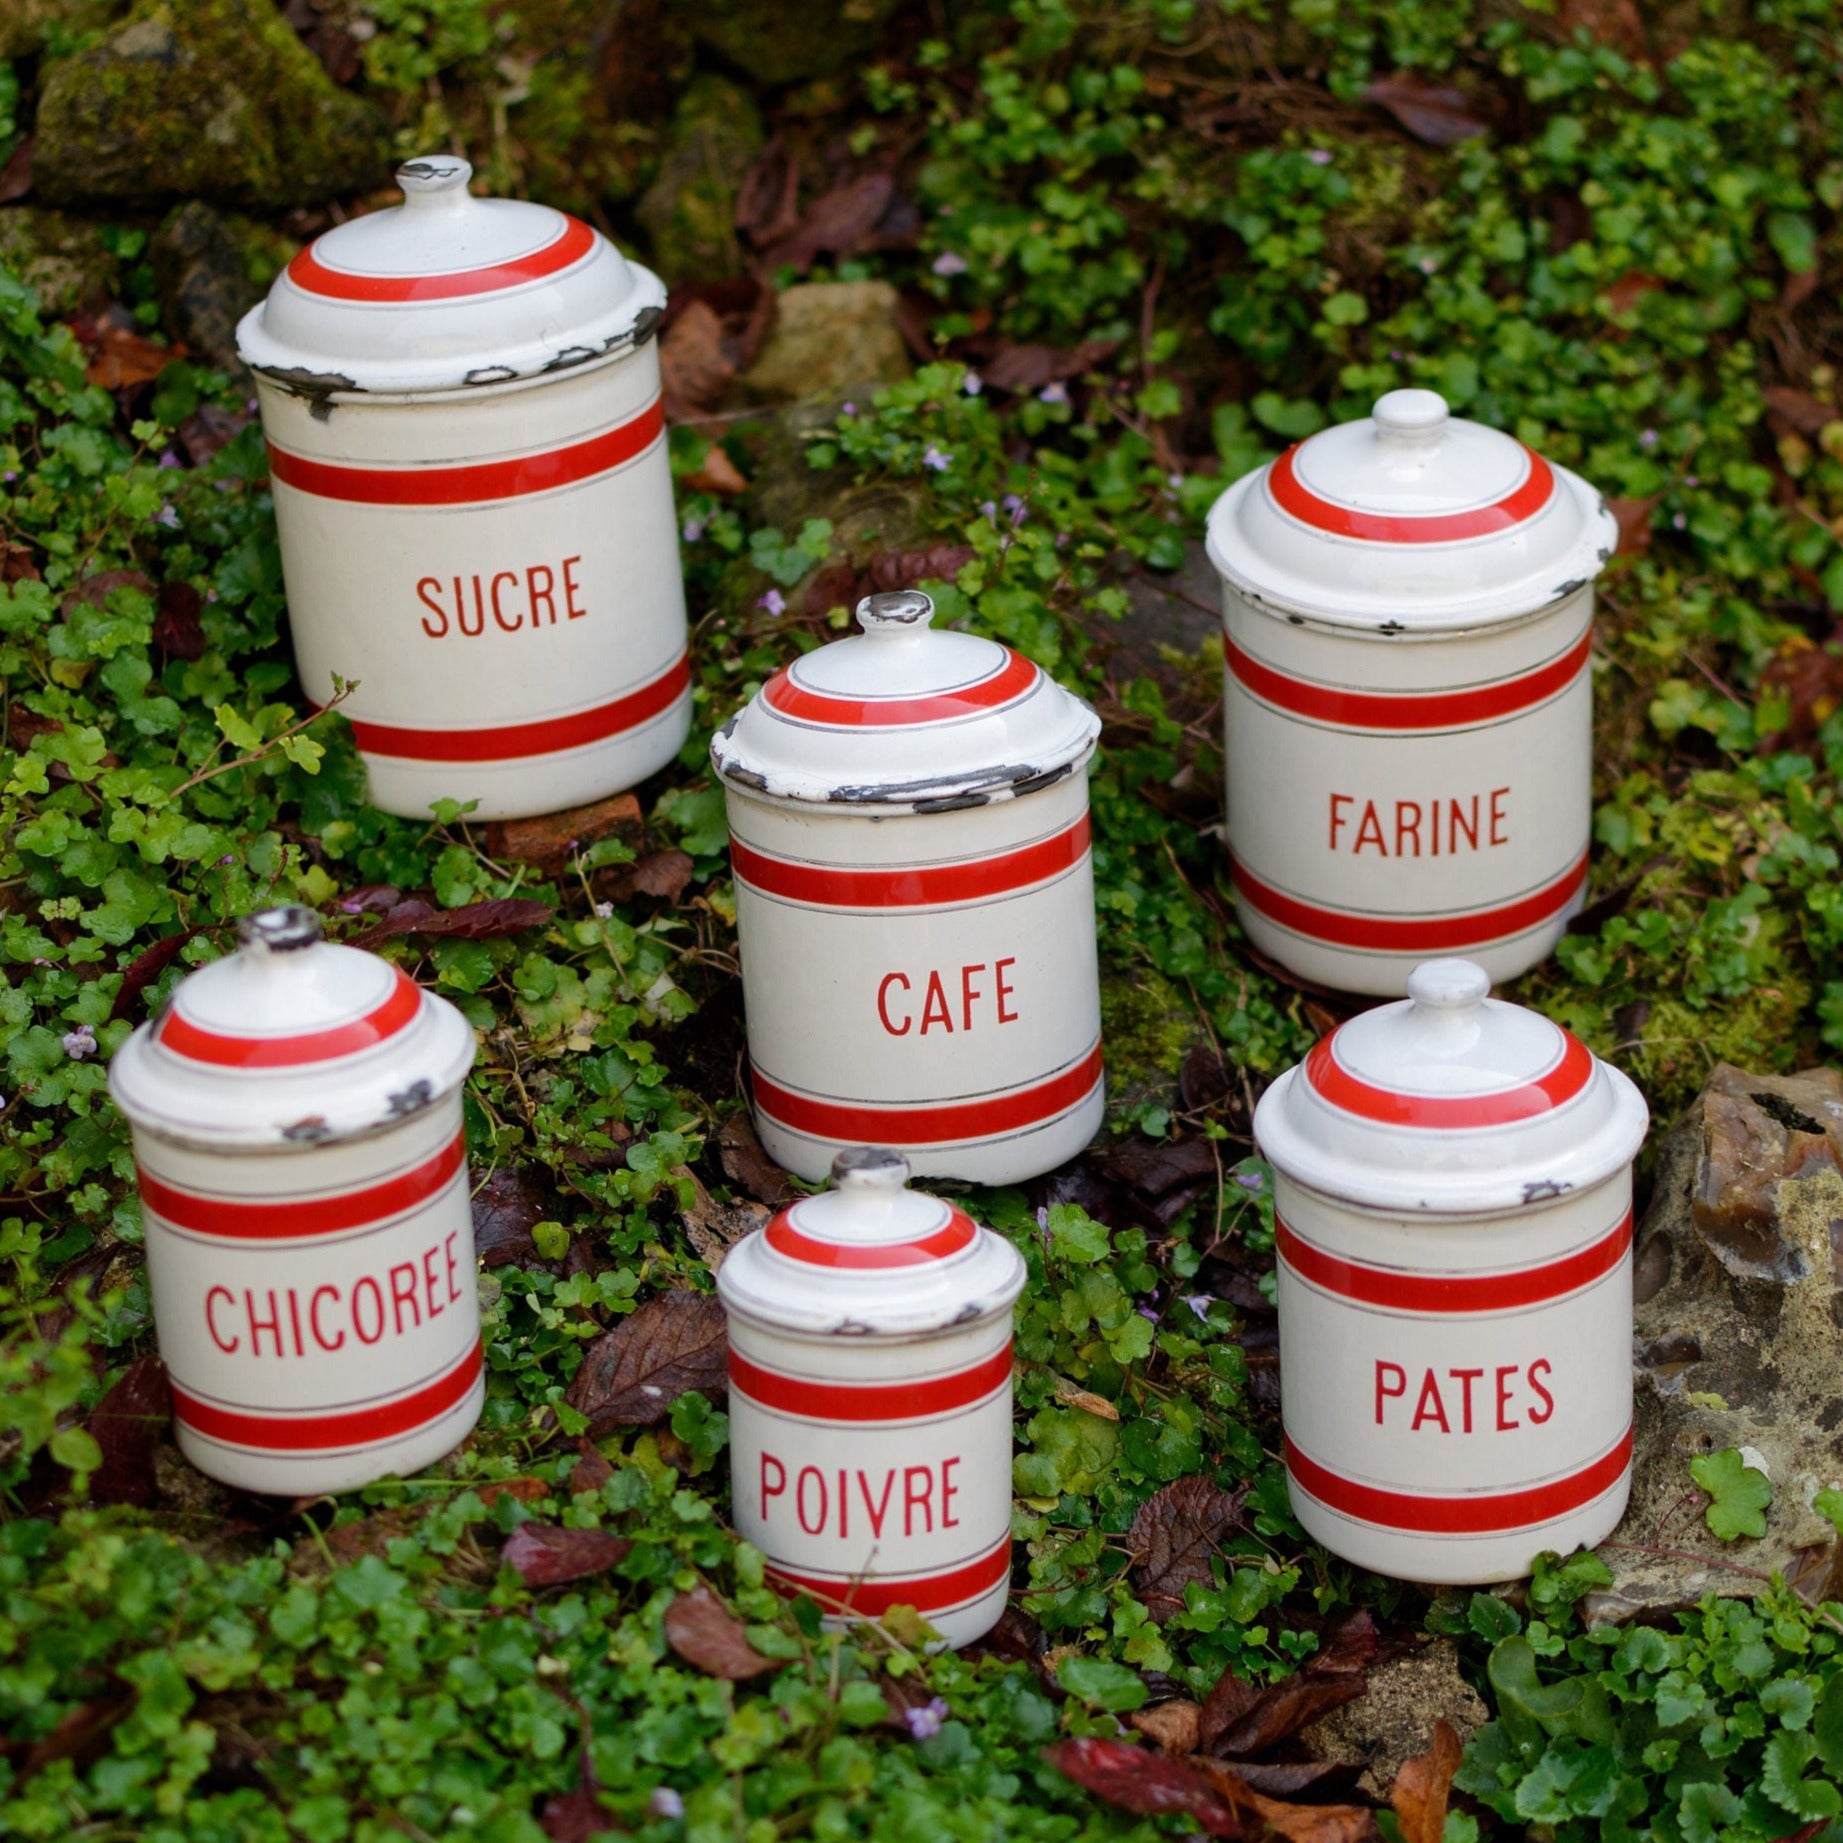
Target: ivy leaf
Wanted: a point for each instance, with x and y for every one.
(1829, 1503)
(1738, 1494)
(1101, 1684)
(1783, 1780)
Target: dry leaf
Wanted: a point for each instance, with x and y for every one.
(178, 631)
(546, 1556)
(79, 1736)
(633, 1374)
(16, 174)
(1430, 111)
(1072, 1397)
(591, 1470)
(1172, 1727)
(1625, 293)
(1155, 1167)
(1027, 368)
(714, 1228)
(1613, 22)
(1422, 1786)
(1139, 1780)
(523, 1490)
(144, 969)
(767, 201)
(838, 223)
(1296, 1823)
(119, 358)
(578, 1817)
(548, 841)
(1633, 517)
(507, 1207)
(664, 874)
(127, 1424)
(1810, 680)
(1799, 409)
(1175, 1533)
(1314, 1779)
(719, 474)
(709, 1637)
(694, 369)
(476, 921)
(1240, 1721)
(747, 1165)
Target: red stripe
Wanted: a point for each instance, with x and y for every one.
(1485, 1513)
(1566, 1082)
(1485, 1292)
(940, 1125)
(184, 1038)
(255, 1220)
(1292, 495)
(1430, 710)
(869, 1402)
(573, 242)
(895, 889)
(787, 699)
(472, 481)
(861, 1257)
(320, 1433)
(1409, 933)
(514, 741)
(927, 1593)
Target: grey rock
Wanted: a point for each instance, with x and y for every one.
(203, 282)
(1393, 1719)
(830, 339)
(63, 259)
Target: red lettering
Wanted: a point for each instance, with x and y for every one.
(778, 1488)
(460, 610)
(844, 1505)
(454, 1292)
(1005, 989)
(313, 1318)
(968, 994)
(294, 1319)
(546, 595)
(1337, 818)
(1548, 1400)
(1407, 829)
(1429, 1407)
(403, 1293)
(1498, 815)
(1389, 1394)
(877, 1511)
(506, 626)
(818, 1478)
(569, 589)
(1503, 1396)
(272, 1324)
(429, 1297)
(934, 1007)
(377, 1305)
(949, 1490)
(1466, 1377)
(908, 1023)
(434, 607)
(211, 1323)
(1369, 831)
(1456, 823)
(910, 1501)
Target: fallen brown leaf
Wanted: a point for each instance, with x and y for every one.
(16, 174)
(1431, 111)
(747, 1165)
(1613, 22)
(1423, 1785)
(591, 1470)
(838, 222)
(577, 1816)
(17, 563)
(1798, 288)
(693, 367)
(1085, 1399)
(1801, 411)
(709, 1637)
(631, 1376)
(208, 429)
(1296, 1823)
(1628, 290)
(767, 201)
(547, 1556)
(718, 474)
(1171, 1727)
(94, 590)
(1314, 1780)
(1174, 1536)
(476, 921)
(119, 358)
(1027, 368)
(1139, 1780)
(144, 969)
(714, 1228)
(178, 631)
(127, 1424)
(548, 841)
(1154, 1167)
(79, 1735)
(521, 1490)
(664, 874)
(507, 1206)
(1240, 1720)
(1633, 517)
(1810, 680)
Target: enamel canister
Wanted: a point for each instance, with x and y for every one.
(870, 1399)
(304, 1196)
(1408, 614)
(908, 815)
(462, 405)
(1453, 1192)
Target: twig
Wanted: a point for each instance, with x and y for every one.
(268, 748)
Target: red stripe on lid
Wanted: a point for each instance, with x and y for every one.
(179, 1034)
(1566, 1081)
(958, 1234)
(322, 1433)
(1485, 1513)
(875, 1595)
(1407, 710)
(1013, 679)
(471, 482)
(1293, 496)
(946, 1123)
(867, 1402)
(1486, 1292)
(573, 241)
(1416, 934)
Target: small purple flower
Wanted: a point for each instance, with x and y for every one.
(1147, 1311)
(1200, 1303)
(847, 409)
(603, 910)
(1680, 521)
(1054, 393)
(935, 458)
(1428, 265)
(1395, 357)
(774, 601)
(972, 383)
(1692, 479)
(1647, 438)
(665, 1803)
(1251, 1181)
(1018, 510)
(1320, 156)
(989, 510)
(168, 517)
(692, 530)
(949, 263)
(9, 476)
(927, 1719)
(229, 857)
(250, 405)
(79, 1043)
(170, 459)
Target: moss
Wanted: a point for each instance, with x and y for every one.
(28, 25)
(1148, 1027)
(689, 211)
(775, 43)
(63, 259)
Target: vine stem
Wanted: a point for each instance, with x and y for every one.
(268, 748)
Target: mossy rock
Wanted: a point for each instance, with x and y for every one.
(63, 259)
(775, 43)
(689, 211)
(25, 25)
(215, 99)
(1148, 1027)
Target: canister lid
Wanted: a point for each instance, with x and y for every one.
(1450, 1102)
(1410, 520)
(288, 1043)
(447, 290)
(903, 715)
(870, 1257)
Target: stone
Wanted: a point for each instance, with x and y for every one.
(203, 281)
(689, 211)
(1393, 1719)
(775, 43)
(62, 259)
(26, 24)
(1738, 1338)
(549, 841)
(215, 99)
(830, 339)
(1171, 632)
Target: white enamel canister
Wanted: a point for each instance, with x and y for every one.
(1408, 611)
(1453, 1189)
(870, 1400)
(304, 1194)
(461, 399)
(908, 814)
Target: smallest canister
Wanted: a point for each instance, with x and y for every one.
(1453, 1212)
(870, 1399)
(296, 1109)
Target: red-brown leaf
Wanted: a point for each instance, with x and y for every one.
(177, 630)
(80, 1735)
(1312, 1780)
(591, 1470)
(208, 429)
(633, 1374)
(1633, 517)
(144, 969)
(127, 1424)
(1025, 368)
(1174, 1535)
(1240, 1721)
(548, 841)
(577, 1817)
(1625, 293)
(838, 222)
(477, 921)
(709, 1637)
(16, 175)
(1423, 1785)
(694, 369)
(1139, 1780)
(747, 1165)
(1810, 680)
(1431, 111)
(546, 1556)
(1800, 410)
(1613, 22)
(119, 358)
(663, 874)
(719, 474)
(767, 200)
(1296, 1823)
(507, 1206)
(94, 590)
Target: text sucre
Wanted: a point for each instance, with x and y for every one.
(507, 601)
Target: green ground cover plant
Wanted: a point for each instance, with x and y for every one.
(1614, 235)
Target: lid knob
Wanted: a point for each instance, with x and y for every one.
(1449, 985)
(435, 182)
(1410, 418)
(872, 1168)
(896, 614)
(286, 929)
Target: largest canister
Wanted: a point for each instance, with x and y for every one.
(467, 452)
(908, 814)
(1408, 616)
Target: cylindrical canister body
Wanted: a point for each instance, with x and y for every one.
(496, 571)
(1457, 1391)
(922, 980)
(1391, 797)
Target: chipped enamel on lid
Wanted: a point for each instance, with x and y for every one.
(447, 291)
(1412, 520)
(905, 716)
(1450, 1102)
(870, 1257)
(289, 1043)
